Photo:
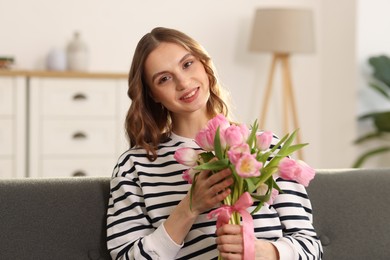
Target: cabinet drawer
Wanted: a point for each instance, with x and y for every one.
(77, 97)
(77, 167)
(6, 170)
(78, 137)
(6, 137)
(6, 96)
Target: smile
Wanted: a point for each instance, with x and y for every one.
(190, 95)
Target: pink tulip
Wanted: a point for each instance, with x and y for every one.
(307, 173)
(263, 140)
(244, 131)
(205, 137)
(234, 136)
(248, 166)
(299, 171)
(189, 174)
(186, 156)
(235, 152)
(205, 140)
(218, 121)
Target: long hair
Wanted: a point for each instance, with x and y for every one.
(147, 122)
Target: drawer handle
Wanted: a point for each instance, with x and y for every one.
(79, 174)
(79, 97)
(79, 136)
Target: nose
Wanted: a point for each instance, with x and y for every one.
(182, 81)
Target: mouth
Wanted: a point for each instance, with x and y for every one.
(190, 94)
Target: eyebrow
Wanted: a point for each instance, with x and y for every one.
(162, 72)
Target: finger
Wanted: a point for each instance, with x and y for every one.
(221, 186)
(229, 229)
(231, 256)
(221, 195)
(203, 175)
(230, 248)
(229, 240)
(219, 176)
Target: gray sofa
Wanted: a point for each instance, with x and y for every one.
(65, 218)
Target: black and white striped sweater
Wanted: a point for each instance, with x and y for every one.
(143, 194)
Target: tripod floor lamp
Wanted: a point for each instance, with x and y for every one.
(283, 32)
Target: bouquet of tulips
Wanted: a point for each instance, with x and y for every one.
(253, 162)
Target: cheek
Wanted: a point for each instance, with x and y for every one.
(154, 95)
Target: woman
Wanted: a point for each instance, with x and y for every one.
(174, 92)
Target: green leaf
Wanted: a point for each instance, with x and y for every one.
(289, 141)
(367, 137)
(263, 198)
(250, 184)
(279, 144)
(207, 156)
(276, 186)
(217, 145)
(360, 161)
(192, 188)
(380, 90)
(294, 148)
(381, 66)
(266, 173)
(216, 165)
(252, 135)
(382, 121)
(257, 208)
(262, 157)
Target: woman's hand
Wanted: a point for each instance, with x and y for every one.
(230, 244)
(210, 189)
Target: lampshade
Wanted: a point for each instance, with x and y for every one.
(283, 30)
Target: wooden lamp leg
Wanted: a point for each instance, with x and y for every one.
(267, 95)
(290, 99)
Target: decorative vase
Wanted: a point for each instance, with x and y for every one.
(56, 60)
(77, 53)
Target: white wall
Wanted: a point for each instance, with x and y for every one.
(372, 40)
(324, 82)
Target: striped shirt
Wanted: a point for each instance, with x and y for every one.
(144, 193)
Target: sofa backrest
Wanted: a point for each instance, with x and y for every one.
(53, 218)
(351, 209)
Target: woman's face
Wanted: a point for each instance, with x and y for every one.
(177, 80)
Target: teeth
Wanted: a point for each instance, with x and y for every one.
(190, 94)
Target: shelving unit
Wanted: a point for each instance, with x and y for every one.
(68, 123)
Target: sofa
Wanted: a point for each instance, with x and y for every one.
(64, 218)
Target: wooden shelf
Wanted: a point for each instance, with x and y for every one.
(63, 74)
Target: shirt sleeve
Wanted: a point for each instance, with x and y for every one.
(130, 234)
(300, 240)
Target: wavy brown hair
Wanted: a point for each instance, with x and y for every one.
(147, 122)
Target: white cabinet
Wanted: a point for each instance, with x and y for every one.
(12, 126)
(61, 124)
(76, 126)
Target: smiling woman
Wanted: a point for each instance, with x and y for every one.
(152, 213)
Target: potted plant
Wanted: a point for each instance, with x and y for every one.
(381, 120)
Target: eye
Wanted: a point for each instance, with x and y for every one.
(163, 79)
(187, 64)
